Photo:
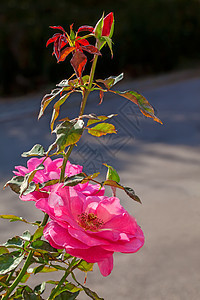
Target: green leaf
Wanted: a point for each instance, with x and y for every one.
(23, 184)
(67, 256)
(25, 277)
(14, 218)
(27, 187)
(65, 295)
(15, 242)
(58, 267)
(85, 266)
(9, 261)
(30, 296)
(130, 192)
(53, 282)
(42, 246)
(3, 250)
(48, 183)
(47, 99)
(99, 27)
(37, 150)
(76, 82)
(72, 288)
(99, 119)
(91, 294)
(144, 106)
(108, 40)
(25, 292)
(39, 289)
(90, 177)
(112, 174)
(46, 258)
(3, 284)
(38, 233)
(90, 116)
(102, 129)
(15, 183)
(113, 184)
(63, 83)
(111, 81)
(68, 133)
(74, 180)
(26, 235)
(38, 269)
(56, 109)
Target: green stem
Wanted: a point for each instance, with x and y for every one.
(59, 285)
(63, 279)
(65, 159)
(92, 71)
(87, 92)
(83, 103)
(20, 275)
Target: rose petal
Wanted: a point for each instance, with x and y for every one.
(106, 266)
(60, 237)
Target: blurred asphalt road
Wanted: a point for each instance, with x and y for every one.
(161, 163)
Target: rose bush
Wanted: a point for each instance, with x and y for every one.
(78, 217)
(90, 227)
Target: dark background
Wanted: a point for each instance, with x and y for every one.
(151, 36)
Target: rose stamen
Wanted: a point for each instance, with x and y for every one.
(90, 221)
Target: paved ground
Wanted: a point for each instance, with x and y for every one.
(162, 164)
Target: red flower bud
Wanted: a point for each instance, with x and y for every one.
(107, 24)
(104, 26)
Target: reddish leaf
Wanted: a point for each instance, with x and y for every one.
(91, 49)
(144, 106)
(65, 52)
(78, 62)
(58, 27)
(128, 95)
(101, 94)
(79, 42)
(86, 28)
(59, 40)
(59, 43)
(53, 39)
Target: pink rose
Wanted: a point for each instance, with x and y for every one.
(90, 227)
(52, 171)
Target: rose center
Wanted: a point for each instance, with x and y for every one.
(90, 221)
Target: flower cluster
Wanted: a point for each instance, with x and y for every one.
(84, 222)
